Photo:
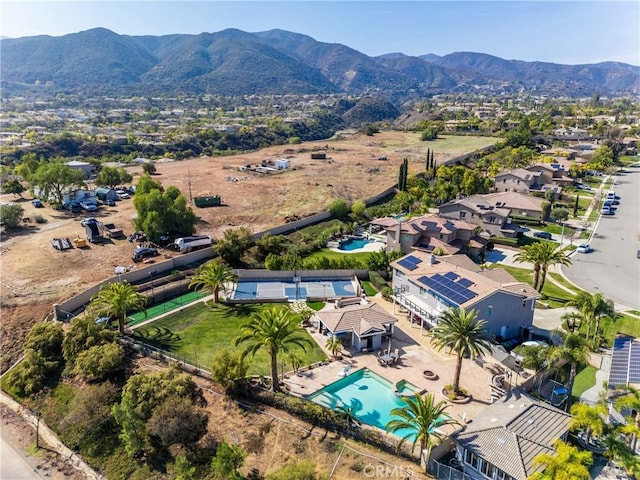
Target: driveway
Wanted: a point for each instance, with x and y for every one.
(612, 268)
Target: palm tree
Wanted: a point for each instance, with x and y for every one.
(529, 254)
(334, 345)
(593, 307)
(115, 300)
(588, 418)
(572, 321)
(572, 351)
(631, 401)
(568, 463)
(422, 417)
(348, 412)
(549, 254)
(213, 275)
(276, 330)
(460, 331)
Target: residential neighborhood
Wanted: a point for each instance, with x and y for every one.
(258, 255)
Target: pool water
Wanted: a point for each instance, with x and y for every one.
(370, 396)
(353, 244)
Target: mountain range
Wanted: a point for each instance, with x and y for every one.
(234, 62)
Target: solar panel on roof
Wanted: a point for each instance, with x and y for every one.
(451, 275)
(465, 282)
(406, 263)
(625, 361)
(413, 259)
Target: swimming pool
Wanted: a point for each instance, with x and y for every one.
(370, 396)
(353, 244)
(279, 289)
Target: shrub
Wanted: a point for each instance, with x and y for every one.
(39, 218)
(376, 279)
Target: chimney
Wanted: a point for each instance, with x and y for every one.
(398, 230)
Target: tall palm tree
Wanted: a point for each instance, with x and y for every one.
(572, 351)
(213, 275)
(460, 331)
(593, 307)
(276, 330)
(529, 254)
(589, 418)
(115, 300)
(548, 255)
(421, 416)
(568, 463)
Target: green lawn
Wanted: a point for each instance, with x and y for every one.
(197, 333)
(556, 297)
(625, 324)
(325, 252)
(563, 281)
(584, 380)
(368, 288)
(557, 229)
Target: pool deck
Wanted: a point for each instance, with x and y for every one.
(374, 246)
(416, 356)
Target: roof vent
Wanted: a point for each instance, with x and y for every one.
(531, 421)
(494, 420)
(501, 440)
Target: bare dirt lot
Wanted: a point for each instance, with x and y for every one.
(34, 275)
(34, 272)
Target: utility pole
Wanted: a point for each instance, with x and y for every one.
(189, 184)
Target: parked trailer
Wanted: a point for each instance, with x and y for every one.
(208, 201)
(189, 244)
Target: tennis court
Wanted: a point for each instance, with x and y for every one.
(276, 289)
(164, 307)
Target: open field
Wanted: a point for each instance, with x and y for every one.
(352, 171)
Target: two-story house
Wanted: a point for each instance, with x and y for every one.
(427, 285)
(503, 441)
(493, 211)
(431, 233)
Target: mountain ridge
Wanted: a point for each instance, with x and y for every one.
(235, 62)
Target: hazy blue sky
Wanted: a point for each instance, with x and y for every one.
(568, 32)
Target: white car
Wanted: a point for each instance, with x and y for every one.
(122, 194)
(584, 248)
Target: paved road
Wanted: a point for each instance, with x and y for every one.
(12, 465)
(612, 268)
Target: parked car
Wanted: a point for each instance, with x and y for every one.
(122, 194)
(607, 211)
(584, 248)
(580, 186)
(140, 253)
(545, 235)
(73, 207)
(37, 203)
(110, 203)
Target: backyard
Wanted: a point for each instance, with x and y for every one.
(197, 333)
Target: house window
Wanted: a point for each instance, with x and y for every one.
(492, 219)
(464, 214)
(440, 236)
(524, 303)
(423, 291)
(518, 181)
(533, 305)
(471, 459)
(399, 274)
(489, 310)
(487, 469)
(504, 180)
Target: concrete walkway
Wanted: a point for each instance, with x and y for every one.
(591, 396)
